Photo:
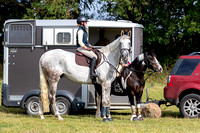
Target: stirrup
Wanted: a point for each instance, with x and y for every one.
(94, 76)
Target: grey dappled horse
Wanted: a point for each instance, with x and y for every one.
(58, 62)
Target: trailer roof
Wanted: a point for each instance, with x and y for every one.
(72, 22)
(91, 23)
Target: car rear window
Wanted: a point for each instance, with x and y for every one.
(185, 66)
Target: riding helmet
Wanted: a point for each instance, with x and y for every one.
(81, 19)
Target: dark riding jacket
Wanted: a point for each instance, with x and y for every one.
(85, 40)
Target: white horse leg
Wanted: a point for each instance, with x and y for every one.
(134, 109)
(139, 116)
(41, 112)
(106, 101)
(98, 111)
(134, 116)
(52, 98)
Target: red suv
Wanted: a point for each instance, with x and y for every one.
(183, 85)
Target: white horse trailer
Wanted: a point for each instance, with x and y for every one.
(26, 40)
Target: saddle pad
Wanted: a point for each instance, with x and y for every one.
(82, 60)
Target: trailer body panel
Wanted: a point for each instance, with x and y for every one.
(25, 42)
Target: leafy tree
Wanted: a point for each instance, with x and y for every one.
(10, 10)
(171, 27)
(56, 9)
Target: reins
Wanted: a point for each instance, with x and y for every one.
(149, 73)
(105, 60)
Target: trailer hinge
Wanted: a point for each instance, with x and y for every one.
(46, 48)
(32, 48)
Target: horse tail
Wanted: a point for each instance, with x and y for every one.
(44, 90)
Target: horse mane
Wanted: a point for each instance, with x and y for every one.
(141, 58)
(111, 46)
(136, 61)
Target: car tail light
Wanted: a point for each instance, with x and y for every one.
(169, 80)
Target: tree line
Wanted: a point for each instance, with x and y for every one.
(171, 27)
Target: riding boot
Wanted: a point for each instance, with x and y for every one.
(92, 65)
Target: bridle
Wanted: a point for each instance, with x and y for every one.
(126, 49)
(148, 62)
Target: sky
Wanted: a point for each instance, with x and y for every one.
(95, 10)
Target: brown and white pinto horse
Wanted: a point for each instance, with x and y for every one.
(131, 82)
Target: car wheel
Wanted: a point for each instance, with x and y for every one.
(32, 105)
(63, 106)
(190, 106)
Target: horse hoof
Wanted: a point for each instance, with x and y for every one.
(134, 119)
(42, 118)
(105, 120)
(140, 118)
(60, 118)
(110, 119)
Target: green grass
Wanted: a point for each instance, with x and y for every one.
(15, 120)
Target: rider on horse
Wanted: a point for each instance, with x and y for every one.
(83, 45)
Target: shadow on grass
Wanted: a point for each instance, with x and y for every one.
(171, 114)
(12, 110)
(165, 113)
(93, 111)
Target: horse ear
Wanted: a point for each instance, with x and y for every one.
(129, 33)
(122, 32)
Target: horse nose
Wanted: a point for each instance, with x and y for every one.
(125, 54)
(161, 69)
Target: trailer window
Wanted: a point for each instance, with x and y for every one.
(63, 37)
(20, 34)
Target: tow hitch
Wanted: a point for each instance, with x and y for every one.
(158, 102)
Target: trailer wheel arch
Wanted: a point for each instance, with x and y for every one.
(60, 93)
(27, 96)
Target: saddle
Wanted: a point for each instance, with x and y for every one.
(83, 60)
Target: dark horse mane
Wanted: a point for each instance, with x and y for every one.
(139, 66)
(136, 64)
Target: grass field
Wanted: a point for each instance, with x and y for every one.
(15, 120)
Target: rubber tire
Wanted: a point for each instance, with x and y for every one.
(32, 105)
(65, 104)
(182, 104)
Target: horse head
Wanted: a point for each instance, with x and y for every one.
(151, 61)
(125, 45)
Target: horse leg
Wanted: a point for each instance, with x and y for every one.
(139, 109)
(98, 111)
(133, 109)
(106, 87)
(52, 98)
(41, 112)
(98, 92)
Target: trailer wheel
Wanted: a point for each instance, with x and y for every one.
(32, 105)
(63, 106)
(190, 106)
